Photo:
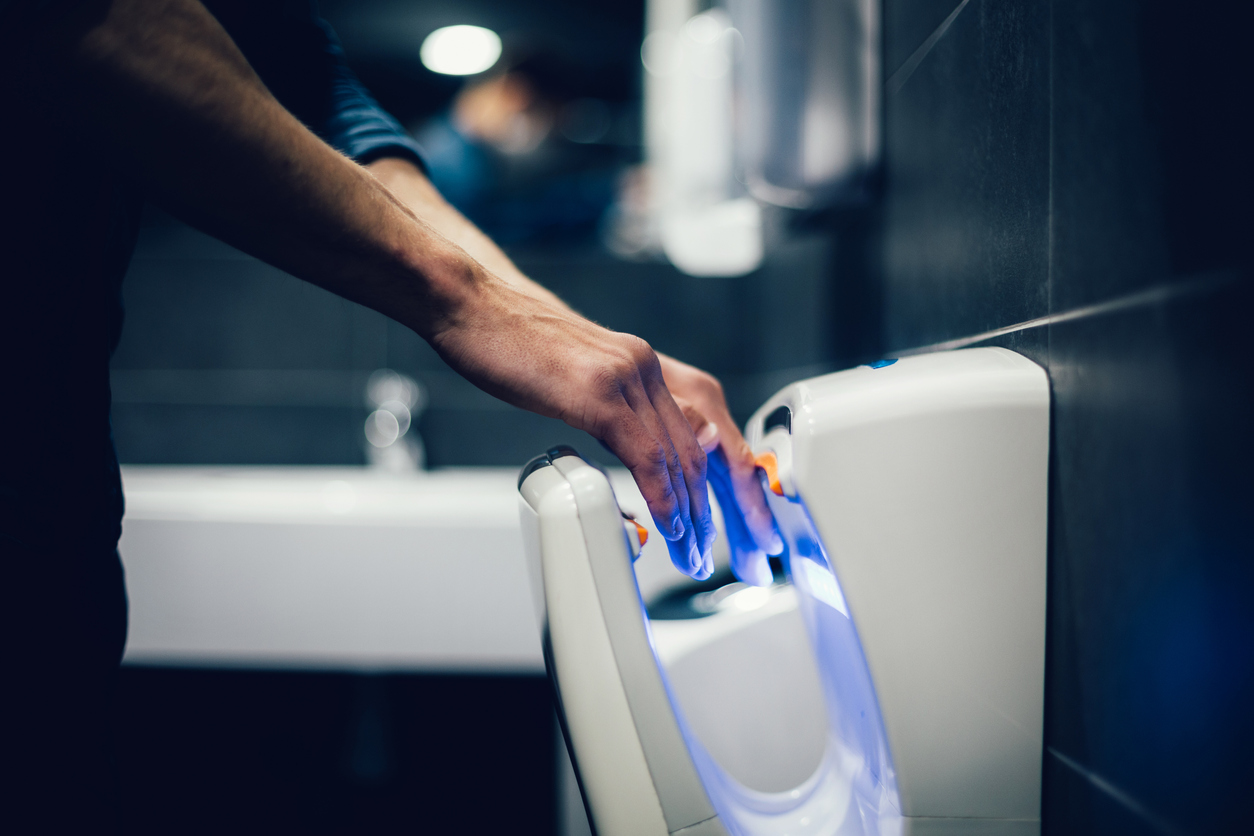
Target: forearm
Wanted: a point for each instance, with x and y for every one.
(177, 101)
(407, 182)
(412, 188)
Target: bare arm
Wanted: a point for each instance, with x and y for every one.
(412, 188)
(699, 394)
(166, 87)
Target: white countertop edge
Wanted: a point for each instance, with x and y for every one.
(333, 663)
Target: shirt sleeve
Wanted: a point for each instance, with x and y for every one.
(356, 124)
(300, 59)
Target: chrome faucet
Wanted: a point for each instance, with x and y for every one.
(396, 401)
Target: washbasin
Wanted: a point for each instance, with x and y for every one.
(326, 568)
(337, 568)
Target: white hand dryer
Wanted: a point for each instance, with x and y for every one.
(911, 496)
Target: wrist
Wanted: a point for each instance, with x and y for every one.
(438, 281)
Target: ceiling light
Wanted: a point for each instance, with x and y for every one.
(460, 50)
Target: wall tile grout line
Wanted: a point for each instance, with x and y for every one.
(899, 78)
(1149, 296)
(1116, 794)
(1049, 218)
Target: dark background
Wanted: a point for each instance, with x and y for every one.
(265, 752)
(1070, 180)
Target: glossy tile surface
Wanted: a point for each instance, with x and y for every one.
(1151, 641)
(966, 240)
(907, 24)
(1108, 225)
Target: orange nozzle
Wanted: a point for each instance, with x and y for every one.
(641, 532)
(770, 464)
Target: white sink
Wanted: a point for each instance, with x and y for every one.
(327, 568)
(340, 568)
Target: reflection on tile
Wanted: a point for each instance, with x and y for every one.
(908, 24)
(1032, 343)
(967, 179)
(1076, 807)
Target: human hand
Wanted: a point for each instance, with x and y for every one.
(545, 358)
(751, 530)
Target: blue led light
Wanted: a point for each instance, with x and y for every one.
(822, 585)
(854, 790)
(879, 364)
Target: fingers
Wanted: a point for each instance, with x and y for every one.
(707, 436)
(642, 440)
(687, 559)
(645, 456)
(703, 398)
(654, 439)
(706, 431)
(748, 560)
(747, 490)
(748, 557)
(745, 487)
(692, 460)
(744, 490)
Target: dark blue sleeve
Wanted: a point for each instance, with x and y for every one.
(301, 61)
(356, 124)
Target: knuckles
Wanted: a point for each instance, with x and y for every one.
(627, 363)
(699, 461)
(661, 458)
(608, 377)
(641, 353)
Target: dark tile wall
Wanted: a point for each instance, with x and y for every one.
(1151, 661)
(909, 24)
(1108, 224)
(967, 178)
(1072, 177)
(226, 360)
